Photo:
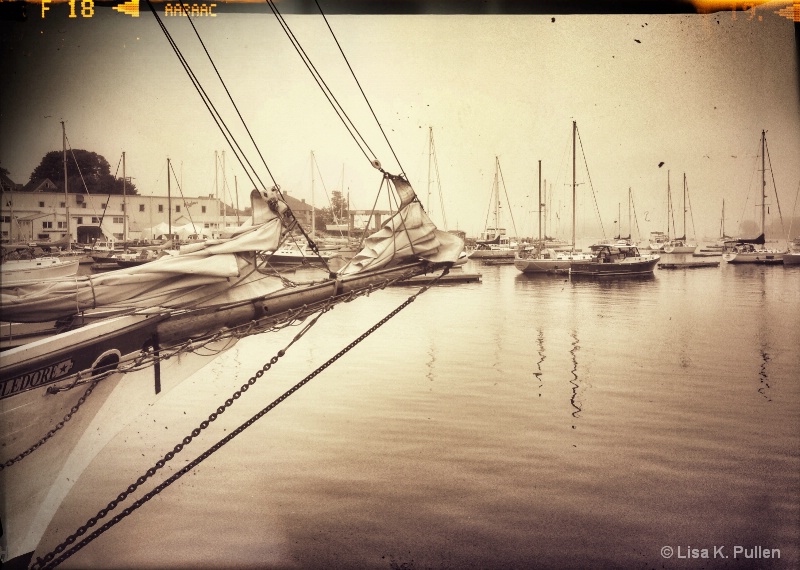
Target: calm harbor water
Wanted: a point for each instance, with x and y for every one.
(520, 422)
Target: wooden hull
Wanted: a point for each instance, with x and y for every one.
(630, 266)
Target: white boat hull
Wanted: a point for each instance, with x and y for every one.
(492, 253)
(679, 248)
(560, 263)
(760, 256)
(18, 271)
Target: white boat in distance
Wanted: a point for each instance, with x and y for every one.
(21, 271)
(493, 243)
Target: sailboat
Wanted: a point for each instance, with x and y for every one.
(718, 246)
(124, 338)
(494, 243)
(20, 264)
(680, 244)
(745, 250)
(546, 260)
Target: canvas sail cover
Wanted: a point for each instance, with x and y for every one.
(222, 271)
(410, 233)
(760, 240)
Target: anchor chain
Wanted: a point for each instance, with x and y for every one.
(50, 560)
(147, 359)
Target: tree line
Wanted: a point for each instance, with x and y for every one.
(87, 171)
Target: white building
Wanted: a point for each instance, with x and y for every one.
(41, 215)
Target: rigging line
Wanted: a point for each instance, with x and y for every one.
(438, 182)
(489, 210)
(223, 127)
(691, 215)
(750, 184)
(794, 208)
(80, 173)
(510, 212)
(177, 182)
(774, 187)
(230, 97)
(338, 109)
(636, 219)
(359, 87)
(207, 102)
(591, 185)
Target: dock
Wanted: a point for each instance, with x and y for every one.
(688, 264)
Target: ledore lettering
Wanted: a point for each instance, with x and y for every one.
(35, 379)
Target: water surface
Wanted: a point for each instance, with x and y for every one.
(515, 423)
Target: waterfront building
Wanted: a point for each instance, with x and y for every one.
(39, 213)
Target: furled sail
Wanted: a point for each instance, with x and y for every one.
(409, 233)
(224, 270)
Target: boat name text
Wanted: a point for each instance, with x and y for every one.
(36, 378)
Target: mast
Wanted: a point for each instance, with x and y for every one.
(630, 225)
(223, 205)
(684, 205)
(722, 221)
(540, 204)
(216, 189)
(124, 206)
(236, 189)
(497, 196)
(763, 181)
(669, 203)
(546, 212)
(66, 194)
(574, 129)
(169, 201)
(313, 213)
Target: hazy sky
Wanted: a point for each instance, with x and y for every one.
(691, 91)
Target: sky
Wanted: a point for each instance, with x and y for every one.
(654, 97)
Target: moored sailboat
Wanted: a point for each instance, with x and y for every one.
(546, 260)
(494, 243)
(753, 250)
(680, 244)
(615, 261)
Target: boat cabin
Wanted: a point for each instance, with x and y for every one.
(614, 253)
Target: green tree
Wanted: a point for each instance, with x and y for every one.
(83, 167)
(338, 211)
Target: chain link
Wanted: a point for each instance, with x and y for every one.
(148, 358)
(52, 559)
